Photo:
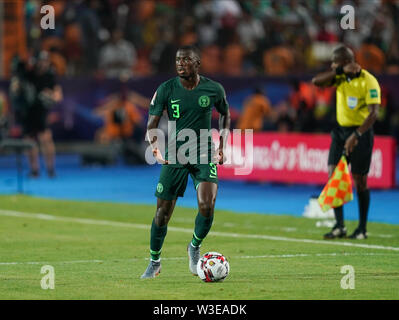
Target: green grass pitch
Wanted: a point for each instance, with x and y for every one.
(99, 250)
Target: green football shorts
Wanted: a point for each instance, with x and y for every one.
(173, 180)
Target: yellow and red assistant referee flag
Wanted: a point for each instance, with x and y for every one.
(338, 189)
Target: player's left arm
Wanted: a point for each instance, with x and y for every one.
(152, 138)
(224, 128)
(371, 119)
(224, 124)
(352, 141)
(156, 109)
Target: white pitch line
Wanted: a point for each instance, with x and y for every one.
(42, 216)
(272, 256)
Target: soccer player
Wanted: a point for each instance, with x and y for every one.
(358, 100)
(188, 100)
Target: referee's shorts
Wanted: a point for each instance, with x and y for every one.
(360, 158)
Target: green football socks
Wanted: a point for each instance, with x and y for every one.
(158, 235)
(202, 227)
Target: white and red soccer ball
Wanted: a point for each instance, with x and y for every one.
(213, 267)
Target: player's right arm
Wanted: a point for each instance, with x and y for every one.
(155, 112)
(324, 79)
(327, 79)
(153, 122)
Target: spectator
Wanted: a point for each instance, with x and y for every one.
(188, 32)
(323, 110)
(278, 61)
(227, 15)
(285, 118)
(118, 57)
(393, 56)
(366, 13)
(302, 100)
(226, 8)
(204, 9)
(324, 34)
(210, 60)
(122, 119)
(370, 57)
(233, 55)
(207, 32)
(250, 31)
(296, 25)
(73, 48)
(164, 52)
(90, 27)
(143, 66)
(255, 108)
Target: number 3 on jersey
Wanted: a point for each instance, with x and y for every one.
(176, 110)
(213, 170)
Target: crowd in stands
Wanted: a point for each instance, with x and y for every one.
(132, 38)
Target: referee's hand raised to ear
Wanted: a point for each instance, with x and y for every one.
(352, 68)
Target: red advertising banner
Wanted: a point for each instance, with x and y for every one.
(298, 158)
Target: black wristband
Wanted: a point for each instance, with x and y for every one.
(357, 134)
(339, 70)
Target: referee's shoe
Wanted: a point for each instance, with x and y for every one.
(358, 234)
(336, 232)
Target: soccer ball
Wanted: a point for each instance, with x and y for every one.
(213, 267)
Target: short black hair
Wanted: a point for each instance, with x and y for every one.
(191, 48)
(345, 53)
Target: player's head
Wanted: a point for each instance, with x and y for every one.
(188, 61)
(342, 56)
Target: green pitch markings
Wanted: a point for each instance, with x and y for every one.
(42, 216)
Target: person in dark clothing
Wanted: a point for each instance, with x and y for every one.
(34, 92)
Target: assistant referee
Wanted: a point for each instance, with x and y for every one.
(358, 100)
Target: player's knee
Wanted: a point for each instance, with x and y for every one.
(206, 207)
(162, 217)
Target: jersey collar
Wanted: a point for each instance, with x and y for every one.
(357, 75)
(181, 86)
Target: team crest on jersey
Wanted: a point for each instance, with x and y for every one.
(352, 102)
(160, 187)
(204, 101)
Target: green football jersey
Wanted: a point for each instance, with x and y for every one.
(189, 109)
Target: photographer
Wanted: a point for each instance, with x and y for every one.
(39, 93)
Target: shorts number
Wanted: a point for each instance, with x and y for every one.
(213, 170)
(176, 111)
